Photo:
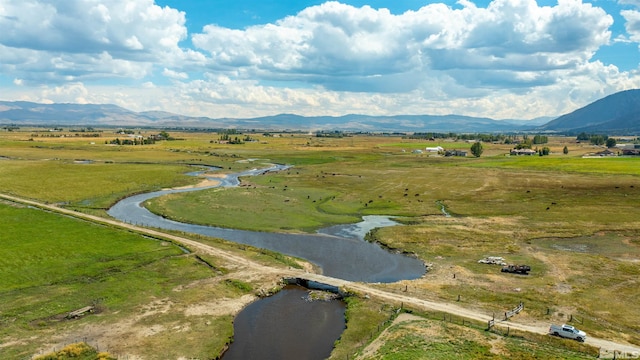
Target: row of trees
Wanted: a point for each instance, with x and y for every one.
(595, 139)
(139, 140)
(132, 141)
(477, 149)
(230, 137)
(527, 142)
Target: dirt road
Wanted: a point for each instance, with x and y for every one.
(247, 265)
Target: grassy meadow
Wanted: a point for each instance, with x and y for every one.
(51, 265)
(574, 220)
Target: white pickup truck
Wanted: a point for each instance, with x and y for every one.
(568, 331)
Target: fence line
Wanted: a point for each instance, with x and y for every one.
(516, 310)
(421, 292)
(575, 318)
(491, 322)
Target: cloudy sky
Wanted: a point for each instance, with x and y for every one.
(244, 58)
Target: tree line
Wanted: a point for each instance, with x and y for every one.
(596, 139)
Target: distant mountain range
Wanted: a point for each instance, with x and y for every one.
(28, 113)
(615, 114)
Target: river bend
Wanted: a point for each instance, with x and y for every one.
(340, 251)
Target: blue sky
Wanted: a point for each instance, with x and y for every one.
(504, 59)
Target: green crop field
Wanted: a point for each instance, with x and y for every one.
(573, 219)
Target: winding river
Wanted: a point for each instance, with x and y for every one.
(340, 251)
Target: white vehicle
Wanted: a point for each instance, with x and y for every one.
(568, 331)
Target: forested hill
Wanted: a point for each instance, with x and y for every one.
(617, 114)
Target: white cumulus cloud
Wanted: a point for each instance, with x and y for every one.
(175, 74)
(78, 39)
(632, 24)
(511, 43)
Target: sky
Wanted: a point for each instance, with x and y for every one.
(502, 59)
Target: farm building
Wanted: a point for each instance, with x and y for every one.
(522, 152)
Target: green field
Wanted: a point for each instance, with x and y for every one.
(51, 265)
(574, 220)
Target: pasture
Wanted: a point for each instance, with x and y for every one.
(51, 265)
(574, 220)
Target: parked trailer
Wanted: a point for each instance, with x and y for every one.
(517, 269)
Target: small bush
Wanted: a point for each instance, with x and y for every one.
(77, 351)
(241, 285)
